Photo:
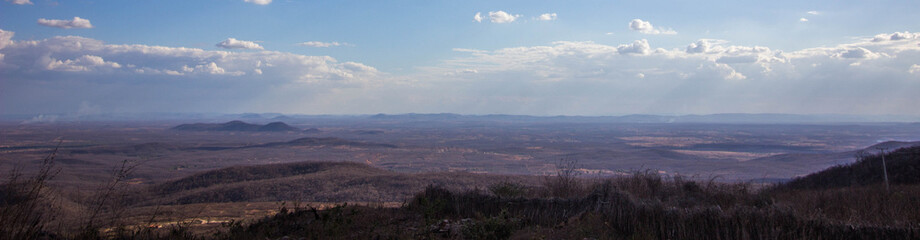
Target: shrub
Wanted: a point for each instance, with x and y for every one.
(565, 184)
(26, 207)
(507, 190)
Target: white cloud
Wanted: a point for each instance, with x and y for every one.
(896, 36)
(647, 28)
(84, 63)
(461, 72)
(914, 68)
(259, 2)
(502, 17)
(31, 58)
(20, 2)
(700, 46)
(640, 47)
(813, 12)
(232, 43)
(803, 19)
(468, 50)
(72, 69)
(5, 38)
(478, 17)
(858, 52)
(547, 17)
(76, 22)
(323, 44)
(707, 76)
(210, 68)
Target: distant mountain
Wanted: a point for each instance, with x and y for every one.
(312, 130)
(277, 127)
(736, 118)
(308, 142)
(239, 126)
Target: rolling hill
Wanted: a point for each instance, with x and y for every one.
(239, 126)
(311, 181)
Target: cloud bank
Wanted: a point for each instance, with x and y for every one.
(868, 76)
(877, 75)
(46, 74)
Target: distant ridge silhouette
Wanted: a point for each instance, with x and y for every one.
(239, 126)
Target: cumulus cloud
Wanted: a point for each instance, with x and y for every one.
(478, 17)
(39, 75)
(858, 53)
(813, 12)
(20, 2)
(83, 63)
(76, 22)
(547, 17)
(79, 54)
(323, 44)
(502, 17)
(700, 46)
(5, 38)
(647, 28)
(640, 47)
(803, 19)
(896, 36)
(233, 43)
(259, 2)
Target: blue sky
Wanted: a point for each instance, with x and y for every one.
(361, 57)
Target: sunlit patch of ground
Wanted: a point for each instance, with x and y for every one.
(646, 141)
(206, 217)
(740, 156)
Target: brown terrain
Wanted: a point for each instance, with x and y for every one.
(224, 172)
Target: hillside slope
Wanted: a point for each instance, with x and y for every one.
(311, 181)
(903, 166)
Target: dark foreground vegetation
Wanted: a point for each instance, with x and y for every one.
(843, 202)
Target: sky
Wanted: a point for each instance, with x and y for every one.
(590, 58)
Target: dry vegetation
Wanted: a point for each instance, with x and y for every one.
(644, 205)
